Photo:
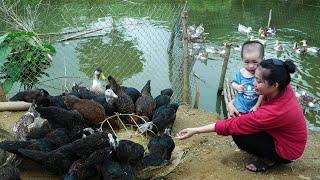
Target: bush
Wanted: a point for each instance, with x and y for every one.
(23, 59)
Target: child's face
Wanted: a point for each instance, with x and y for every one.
(251, 59)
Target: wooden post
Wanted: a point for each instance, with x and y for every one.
(269, 20)
(224, 67)
(186, 96)
(2, 94)
(197, 95)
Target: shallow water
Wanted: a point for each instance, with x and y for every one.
(136, 36)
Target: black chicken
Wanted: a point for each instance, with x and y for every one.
(160, 149)
(61, 118)
(43, 144)
(145, 104)
(29, 95)
(124, 103)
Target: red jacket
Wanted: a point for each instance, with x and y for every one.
(282, 118)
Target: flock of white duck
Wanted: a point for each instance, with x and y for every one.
(201, 51)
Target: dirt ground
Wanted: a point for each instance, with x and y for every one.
(208, 156)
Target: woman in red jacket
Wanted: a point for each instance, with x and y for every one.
(276, 133)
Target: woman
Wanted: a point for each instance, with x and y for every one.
(276, 133)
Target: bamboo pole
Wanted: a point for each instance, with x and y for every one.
(224, 67)
(2, 94)
(269, 20)
(14, 106)
(81, 34)
(184, 15)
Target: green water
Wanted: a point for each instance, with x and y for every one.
(136, 36)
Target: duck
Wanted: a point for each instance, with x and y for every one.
(61, 118)
(297, 49)
(96, 83)
(243, 29)
(237, 47)
(266, 32)
(262, 41)
(198, 32)
(310, 49)
(164, 97)
(29, 95)
(92, 112)
(212, 50)
(130, 91)
(305, 98)
(145, 104)
(202, 56)
(277, 46)
(22, 126)
(124, 104)
(160, 149)
(163, 117)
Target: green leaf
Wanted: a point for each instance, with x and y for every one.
(7, 85)
(4, 52)
(3, 37)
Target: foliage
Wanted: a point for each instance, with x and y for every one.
(23, 59)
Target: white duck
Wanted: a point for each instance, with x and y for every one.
(202, 56)
(237, 47)
(277, 46)
(243, 29)
(212, 50)
(96, 83)
(263, 42)
(297, 49)
(308, 48)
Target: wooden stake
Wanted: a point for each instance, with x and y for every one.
(269, 21)
(197, 95)
(2, 94)
(186, 96)
(224, 67)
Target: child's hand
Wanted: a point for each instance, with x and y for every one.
(240, 88)
(254, 108)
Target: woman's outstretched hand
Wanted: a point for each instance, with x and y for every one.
(185, 133)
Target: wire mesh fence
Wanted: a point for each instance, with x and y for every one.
(128, 40)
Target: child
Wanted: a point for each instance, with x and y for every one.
(247, 100)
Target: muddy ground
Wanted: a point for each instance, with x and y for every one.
(208, 156)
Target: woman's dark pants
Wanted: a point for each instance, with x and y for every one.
(261, 145)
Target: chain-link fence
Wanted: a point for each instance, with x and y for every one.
(131, 41)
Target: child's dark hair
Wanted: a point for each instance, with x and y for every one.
(278, 72)
(257, 44)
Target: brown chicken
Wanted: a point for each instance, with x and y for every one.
(92, 111)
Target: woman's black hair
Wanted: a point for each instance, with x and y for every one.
(253, 43)
(278, 72)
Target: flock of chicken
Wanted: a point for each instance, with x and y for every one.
(69, 141)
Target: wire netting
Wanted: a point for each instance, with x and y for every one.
(131, 41)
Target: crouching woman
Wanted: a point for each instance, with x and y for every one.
(276, 133)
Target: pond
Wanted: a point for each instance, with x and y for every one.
(133, 44)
